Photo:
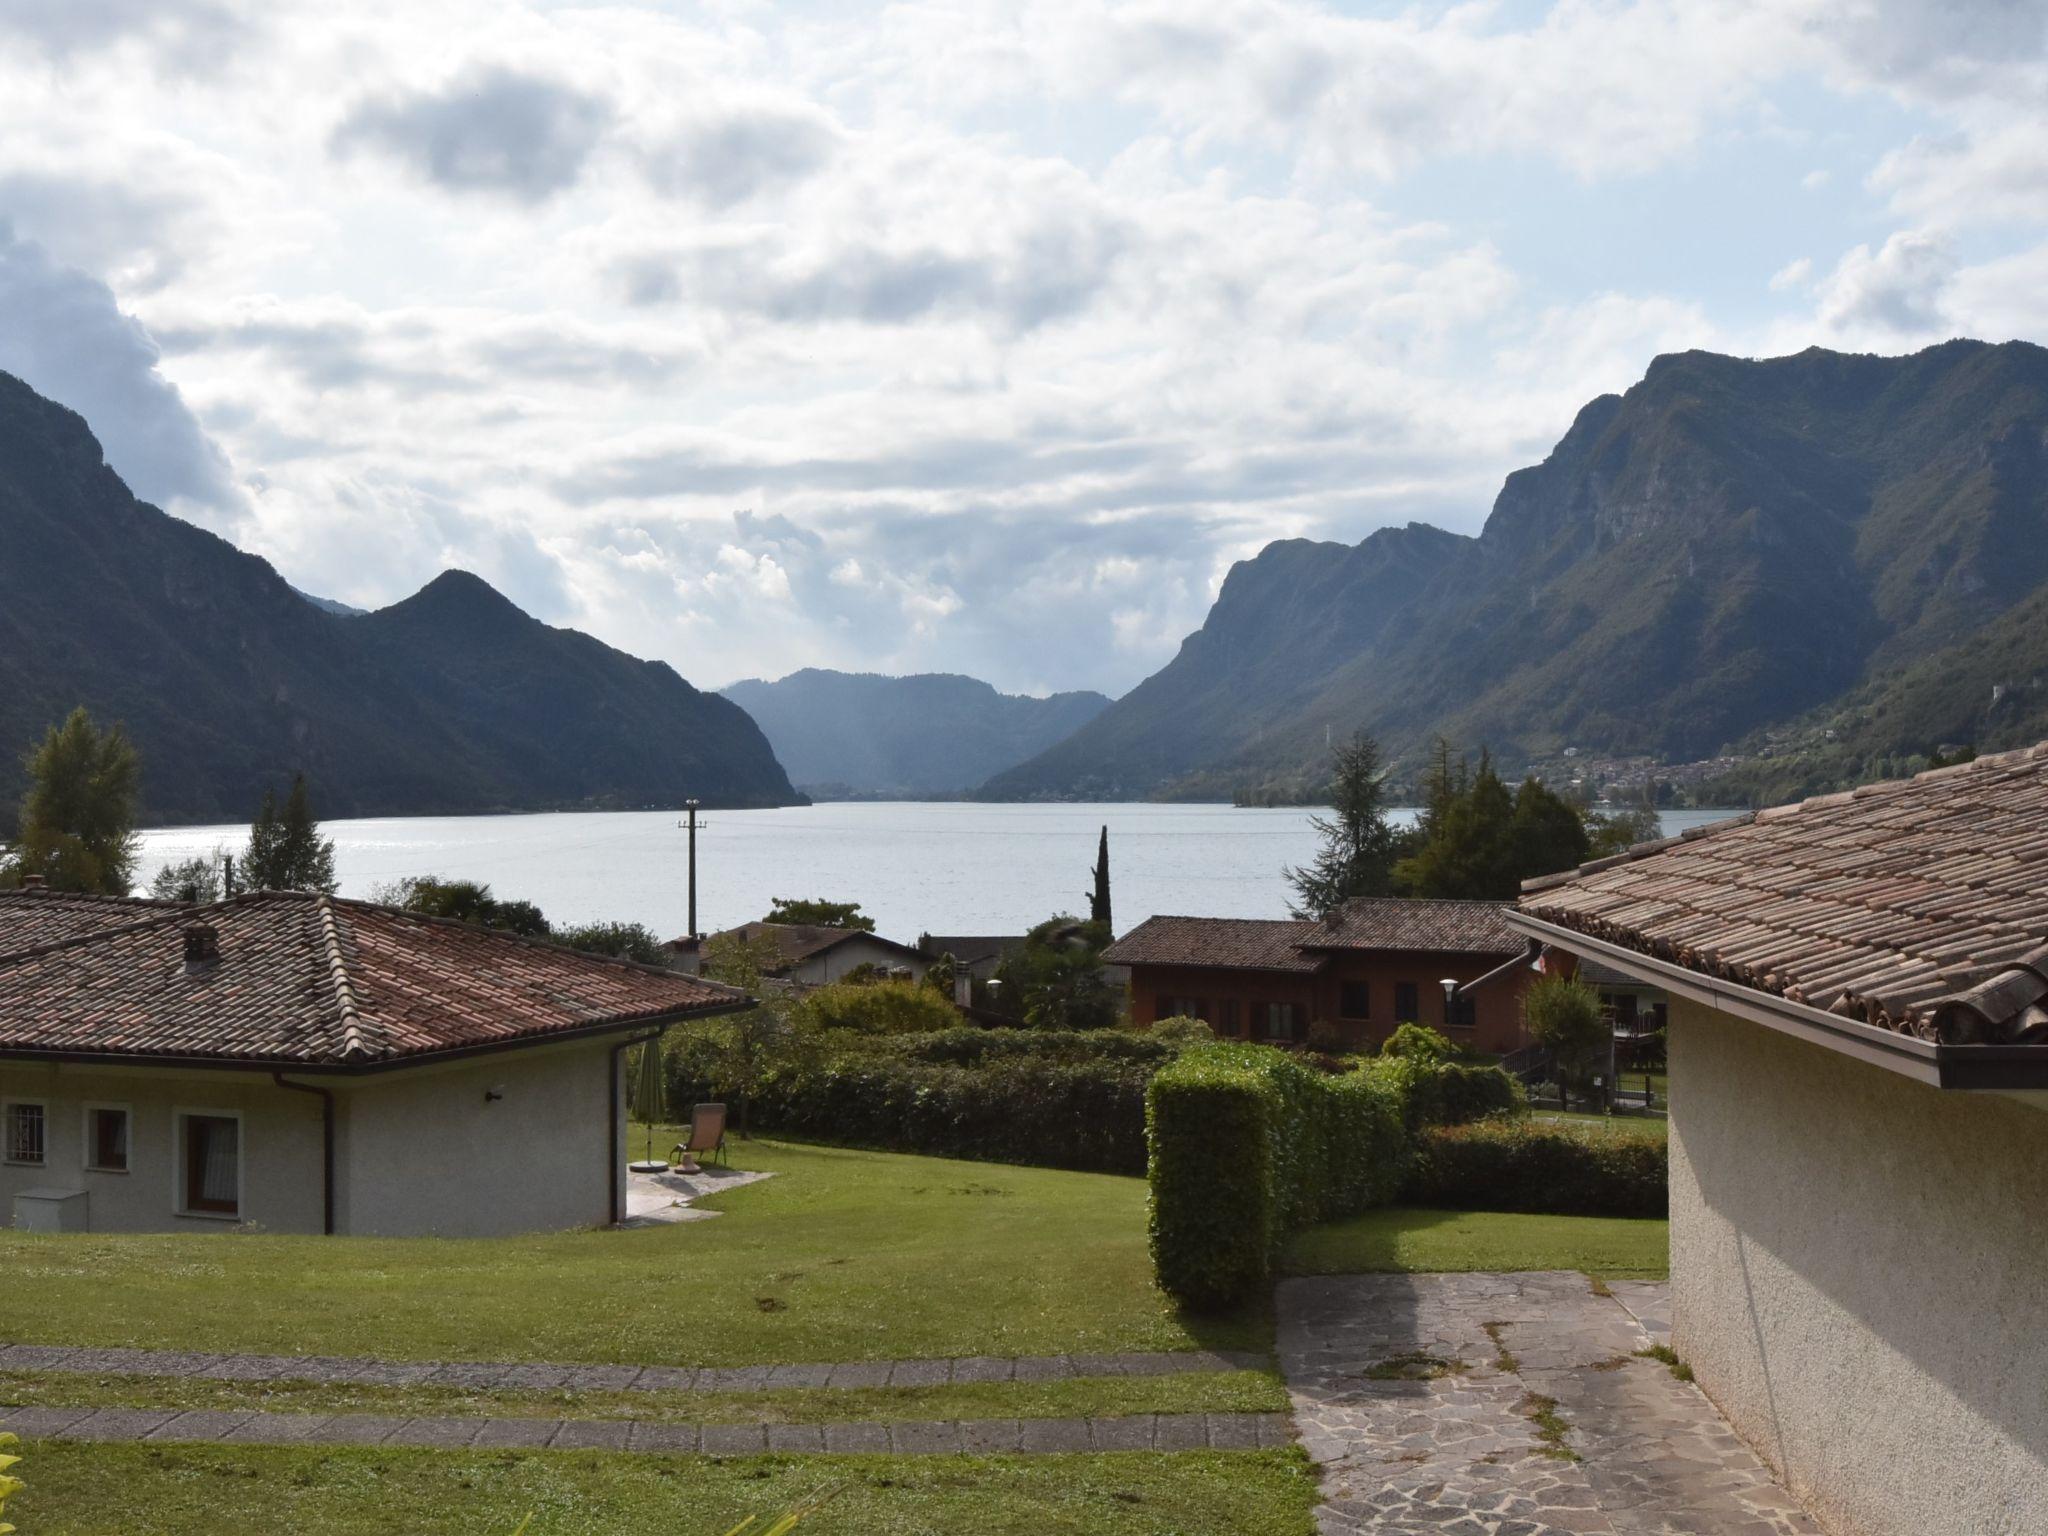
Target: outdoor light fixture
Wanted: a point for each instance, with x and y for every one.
(1450, 986)
(494, 1093)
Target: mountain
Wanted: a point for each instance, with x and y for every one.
(1729, 546)
(229, 680)
(933, 733)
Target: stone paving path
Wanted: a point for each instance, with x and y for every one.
(1425, 1400)
(663, 1199)
(1138, 1432)
(484, 1375)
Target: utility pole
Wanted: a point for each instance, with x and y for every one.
(692, 824)
(227, 874)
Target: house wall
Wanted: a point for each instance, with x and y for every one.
(1497, 1012)
(845, 956)
(425, 1153)
(1860, 1279)
(280, 1139)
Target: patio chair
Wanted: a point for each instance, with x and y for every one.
(707, 1135)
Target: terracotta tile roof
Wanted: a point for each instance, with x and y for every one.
(316, 981)
(1412, 923)
(29, 918)
(1919, 905)
(798, 942)
(1238, 943)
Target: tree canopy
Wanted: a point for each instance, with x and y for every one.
(466, 901)
(1479, 841)
(621, 941)
(77, 823)
(819, 913)
(1359, 847)
(197, 879)
(286, 851)
(1055, 980)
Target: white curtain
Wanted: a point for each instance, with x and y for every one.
(217, 1179)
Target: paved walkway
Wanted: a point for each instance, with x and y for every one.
(1510, 1405)
(1138, 1432)
(662, 1199)
(485, 1375)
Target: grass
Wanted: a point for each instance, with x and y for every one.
(139, 1490)
(1414, 1240)
(844, 1255)
(1098, 1396)
(1655, 1126)
(1667, 1357)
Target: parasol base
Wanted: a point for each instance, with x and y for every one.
(648, 1167)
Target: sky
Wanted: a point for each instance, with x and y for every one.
(973, 337)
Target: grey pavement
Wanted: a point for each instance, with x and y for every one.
(1141, 1432)
(1510, 1405)
(498, 1376)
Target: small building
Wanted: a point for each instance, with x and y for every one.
(307, 1064)
(809, 955)
(1376, 963)
(973, 955)
(1859, 1131)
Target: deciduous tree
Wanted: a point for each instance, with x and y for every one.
(77, 824)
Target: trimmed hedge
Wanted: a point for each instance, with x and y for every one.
(1524, 1165)
(1010, 1108)
(1246, 1144)
(969, 1047)
(1435, 1092)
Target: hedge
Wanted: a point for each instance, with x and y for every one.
(1434, 1092)
(1526, 1165)
(1245, 1144)
(1010, 1108)
(968, 1046)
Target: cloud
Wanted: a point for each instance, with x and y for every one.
(1794, 274)
(62, 332)
(491, 130)
(1893, 292)
(188, 31)
(725, 159)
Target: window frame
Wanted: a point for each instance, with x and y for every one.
(1461, 1003)
(1295, 1023)
(1344, 1009)
(7, 1109)
(1414, 1013)
(182, 1117)
(88, 1152)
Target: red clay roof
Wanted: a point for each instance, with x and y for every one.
(1414, 923)
(32, 917)
(312, 981)
(1919, 905)
(1236, 943)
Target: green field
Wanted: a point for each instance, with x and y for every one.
(1412, 1240)
(843, 1255)
(147, 1490)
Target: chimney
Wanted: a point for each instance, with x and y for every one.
(34, 883)
(202, 948)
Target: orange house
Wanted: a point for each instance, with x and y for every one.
(1376, 963)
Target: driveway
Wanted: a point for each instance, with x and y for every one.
(1511, 1405)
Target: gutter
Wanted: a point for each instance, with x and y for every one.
(326, 1147)
(1980, 1068)
(614, 1128)
(1520, 962)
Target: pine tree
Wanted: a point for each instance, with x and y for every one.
(1357, 856)
(1098, 900)
(286, 851)
(263, 861)
(78, 817)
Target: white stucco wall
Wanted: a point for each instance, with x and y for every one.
(1860, 1279)
(425, 1153)
(850, 954)
(280, 1146)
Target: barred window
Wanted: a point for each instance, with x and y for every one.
(25, 1133)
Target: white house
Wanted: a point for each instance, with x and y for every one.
(308, 1064)
(809, 955)
(1859, 1132)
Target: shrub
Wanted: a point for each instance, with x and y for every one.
(1440, 1092)
(1564, 1014)
(1245, 1144)
(877, 1008)
(1181, 1032)
(1418, 1042)
(967, 1046)
(1524, 1165)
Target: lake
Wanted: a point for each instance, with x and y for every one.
(915, 867)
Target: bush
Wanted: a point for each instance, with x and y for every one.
(1418, 1042)
(1181, 1032)
(968, 1046)
(1523, 1165)
(1245, 1144)
(1440, 1092)
(877, 1008)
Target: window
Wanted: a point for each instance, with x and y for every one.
(1461, 1011)
(1228, 1021)
(25, 1141)
(106, 1139)
(1354, 1000)
(1283, 1020)
(213, 1165)
(1405, 1009)
(1184, 1008)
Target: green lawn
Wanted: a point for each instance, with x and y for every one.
(844, 1255)
(1413, 1240)
(77, 1489)
(1083, 1397)
(1655, 1126)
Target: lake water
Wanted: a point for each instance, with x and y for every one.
(940, 867)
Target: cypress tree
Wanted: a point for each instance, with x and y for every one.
(1098, 900)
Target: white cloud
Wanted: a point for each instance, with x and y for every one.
(1794, 274)
(1892, 293)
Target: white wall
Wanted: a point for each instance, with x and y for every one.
(848, 954)
(426, 1153)
(280, 1146)
(1860, 1279)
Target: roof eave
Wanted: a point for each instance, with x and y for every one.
(1978, 1068)
(303, 1068)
